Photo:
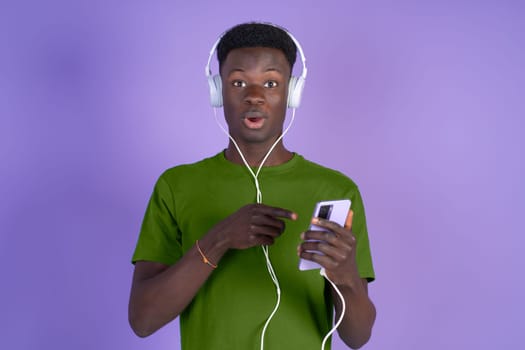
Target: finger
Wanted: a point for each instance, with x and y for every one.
(329, 225)
(349, 219)
(324, 260)
(346, 236)
(265, 220)
(340, 253)
(262, 240)
(277, 212)
(324, 236)
(270, 231)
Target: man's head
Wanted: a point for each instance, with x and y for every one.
(255, 82)
(256, 35)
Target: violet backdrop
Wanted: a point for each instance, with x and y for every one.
(420, 102)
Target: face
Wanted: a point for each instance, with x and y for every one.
(255, 89)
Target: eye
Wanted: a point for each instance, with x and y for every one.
(239, 83)
(271, 84)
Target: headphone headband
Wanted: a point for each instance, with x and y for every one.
(304, 72)
(296, 83)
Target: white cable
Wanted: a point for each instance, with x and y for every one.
(343, 309)
(255, 176)
(278, 289)
(269, 266)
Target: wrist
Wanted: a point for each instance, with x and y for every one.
(212, 247)
(353, 285)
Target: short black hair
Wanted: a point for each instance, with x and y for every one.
(254, 34)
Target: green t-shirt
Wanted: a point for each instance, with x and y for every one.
(230, 309)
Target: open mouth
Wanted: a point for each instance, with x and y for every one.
(254, 122)
(254, 119)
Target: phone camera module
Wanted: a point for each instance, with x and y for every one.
(324, 211)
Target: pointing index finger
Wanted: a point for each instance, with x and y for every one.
(279, 212)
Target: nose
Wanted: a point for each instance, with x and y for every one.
(254, 95)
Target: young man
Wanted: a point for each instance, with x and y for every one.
(199, 251)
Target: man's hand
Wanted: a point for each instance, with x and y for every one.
(338, 245)
(339, 261)
(159, 293)
(252, 225)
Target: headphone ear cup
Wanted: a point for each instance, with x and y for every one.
(215, 84)
(295, 91)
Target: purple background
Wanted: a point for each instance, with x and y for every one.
(422, 104)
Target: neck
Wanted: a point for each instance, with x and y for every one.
(255, 153)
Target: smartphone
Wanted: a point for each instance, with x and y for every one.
(336, 211)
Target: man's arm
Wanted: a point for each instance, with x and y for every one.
(159, 293)
(356, 328)
(339, 262)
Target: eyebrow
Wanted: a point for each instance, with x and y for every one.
(271, 69)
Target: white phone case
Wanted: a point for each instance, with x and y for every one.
(336, 211)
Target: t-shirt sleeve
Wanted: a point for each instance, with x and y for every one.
(159, 239)
(360, 231)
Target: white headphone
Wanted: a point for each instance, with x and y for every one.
(295, 87)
